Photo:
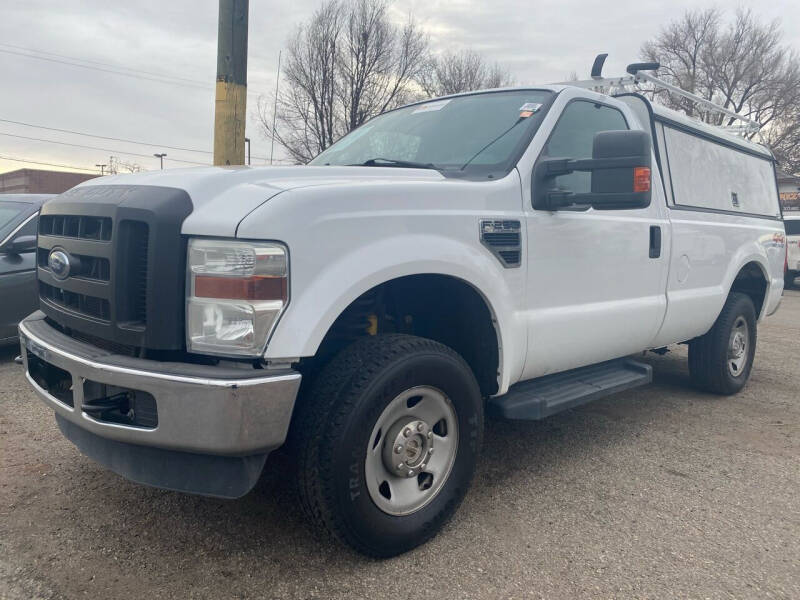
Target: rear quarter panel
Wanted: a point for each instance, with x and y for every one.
(708, 251)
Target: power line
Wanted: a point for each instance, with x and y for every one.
(105, 70)
(105, 64)
(25, 137)
(170, 79)
(114, 139)
(36, 162)
(104, 137)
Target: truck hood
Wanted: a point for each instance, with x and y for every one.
(223, 196)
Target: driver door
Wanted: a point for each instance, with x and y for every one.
(594, 291)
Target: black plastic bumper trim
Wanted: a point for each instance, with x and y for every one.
(203, 474)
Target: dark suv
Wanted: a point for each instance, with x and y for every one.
(18, 293)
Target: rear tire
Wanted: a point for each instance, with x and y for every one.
(352, 424)
(721, 360)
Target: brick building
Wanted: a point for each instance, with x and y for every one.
(40, 181)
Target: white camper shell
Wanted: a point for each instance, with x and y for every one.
(507, 251)
(707, 167)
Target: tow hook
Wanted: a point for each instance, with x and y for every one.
(18, 359)
(100, 406)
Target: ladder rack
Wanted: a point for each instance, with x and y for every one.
(637, 75)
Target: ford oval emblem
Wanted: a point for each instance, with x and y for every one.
(59, 264)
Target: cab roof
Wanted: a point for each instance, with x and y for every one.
(659, 112)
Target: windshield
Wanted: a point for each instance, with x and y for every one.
(11, 215)
(476, 134)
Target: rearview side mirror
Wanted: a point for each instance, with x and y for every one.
(20, 245)
(620, 168)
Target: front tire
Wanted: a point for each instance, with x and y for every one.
(387, 440)
(721, 360)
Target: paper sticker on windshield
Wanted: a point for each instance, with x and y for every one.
(527, 109)
(430, 106)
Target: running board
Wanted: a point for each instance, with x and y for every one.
(551, 394)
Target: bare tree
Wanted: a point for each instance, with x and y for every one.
(742, 65)
(348, 63)
(377, 62)
(306, 120)
(453, 73)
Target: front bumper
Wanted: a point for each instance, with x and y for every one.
(212, 411)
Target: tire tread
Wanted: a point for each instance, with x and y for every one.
(324, 408)
(708, 353)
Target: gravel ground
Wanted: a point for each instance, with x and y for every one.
(661, 492)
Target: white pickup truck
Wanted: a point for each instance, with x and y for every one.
(792, 223)
(501, 252)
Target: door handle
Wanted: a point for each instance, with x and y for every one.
(655, 241)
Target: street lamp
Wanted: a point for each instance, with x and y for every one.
(161, 158)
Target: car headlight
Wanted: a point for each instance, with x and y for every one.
(235, 293)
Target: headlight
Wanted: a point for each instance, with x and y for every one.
(236, 292)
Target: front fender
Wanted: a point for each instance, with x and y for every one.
(318, 296)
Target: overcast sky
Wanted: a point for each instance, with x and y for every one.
(541, 41)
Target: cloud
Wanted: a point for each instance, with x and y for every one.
(538, 41)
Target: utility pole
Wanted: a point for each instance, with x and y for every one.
(230, 108)
(161, 158)
(102, 169)
(247, 141)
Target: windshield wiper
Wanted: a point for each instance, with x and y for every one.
(390, 162)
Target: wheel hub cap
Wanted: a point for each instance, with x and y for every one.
(408, 447)
(402, 471)
(737, 347)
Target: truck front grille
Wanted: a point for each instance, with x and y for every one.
(93, 280)
(89, 306)
(137, 259)
(91, 267)
(76, 226)
(124, 282)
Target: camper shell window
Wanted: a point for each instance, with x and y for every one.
(710, 175)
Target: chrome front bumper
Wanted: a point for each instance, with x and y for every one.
(201, 409)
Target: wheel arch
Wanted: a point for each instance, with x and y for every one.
(438, 306)
(752, 279)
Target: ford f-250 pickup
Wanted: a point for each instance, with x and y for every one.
(505, 252)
